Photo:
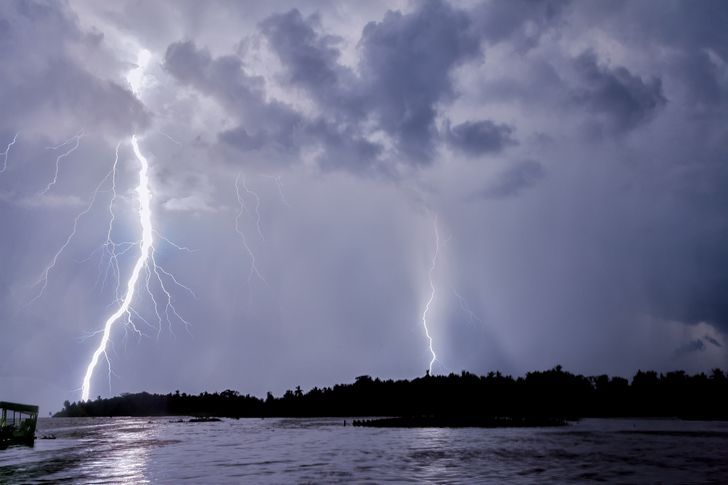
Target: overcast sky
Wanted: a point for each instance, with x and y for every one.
(573, 158)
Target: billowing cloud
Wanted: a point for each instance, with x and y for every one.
(404, 70)
(406, 64)
(310, 61)
(618, 99)
(264, 125)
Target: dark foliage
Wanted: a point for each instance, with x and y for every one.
(551, 393)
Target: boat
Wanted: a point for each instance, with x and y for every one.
(17, 424)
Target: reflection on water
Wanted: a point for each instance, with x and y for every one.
(123, 456)
(85, 449)
(139, 450)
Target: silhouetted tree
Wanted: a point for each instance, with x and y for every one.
(550, 393)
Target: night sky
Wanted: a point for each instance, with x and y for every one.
(572, 158)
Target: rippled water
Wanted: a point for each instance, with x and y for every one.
(136, 450)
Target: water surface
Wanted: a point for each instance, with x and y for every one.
(142, 450)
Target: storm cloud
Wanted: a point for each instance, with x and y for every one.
(619, 99)
(572, 155)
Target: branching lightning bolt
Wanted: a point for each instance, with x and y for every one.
(75, 140)
(146, 262)
(43, 279)
(251, 256)
(6, 152)
(109, 247)
(174, 244)
(145, 218)
(435, 257)
(155, 278)
(111, 251)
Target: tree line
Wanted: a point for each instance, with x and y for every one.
(550, 393)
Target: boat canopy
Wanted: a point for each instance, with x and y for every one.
(20, 408)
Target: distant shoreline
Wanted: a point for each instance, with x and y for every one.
(459, 422)
(545, 396)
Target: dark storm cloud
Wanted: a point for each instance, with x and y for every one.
(265, 124)
(42, 73)
(607, 100)
(243, 95)
(222, 78)
(344, 147)
(619, 99)
(689, 35)
(479, 137)
(311, 63)
(406, 64)
(405, 67)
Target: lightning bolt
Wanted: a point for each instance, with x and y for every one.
(242, 208)
(145, 252)
(7, 151)
(109, 247)
(145, 262)
(146, 267)
(425, 312)
(154, 274)
(147, 272)
(75, 141)
(174, 244)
